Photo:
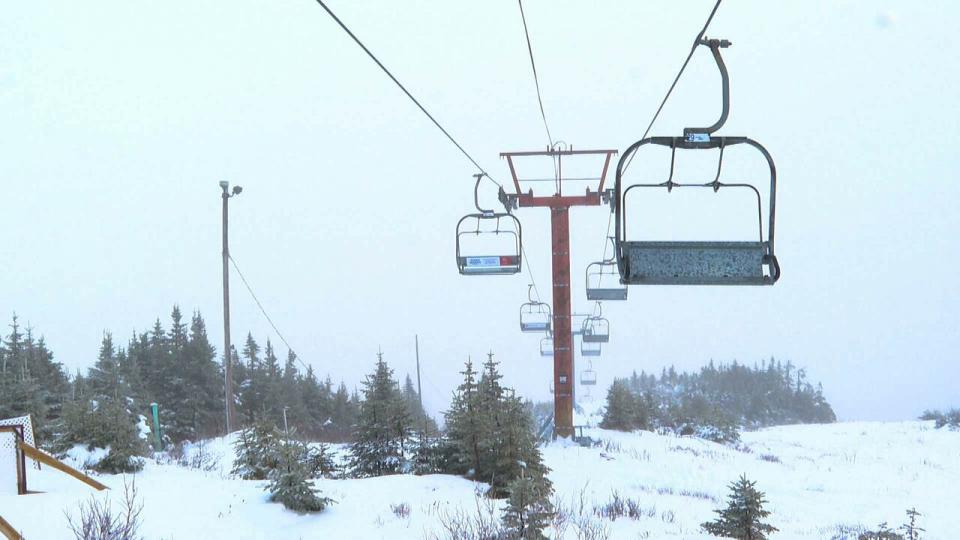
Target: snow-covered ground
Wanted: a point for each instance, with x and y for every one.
(818, 480)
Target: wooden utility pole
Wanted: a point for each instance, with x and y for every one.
(227, 352)
(416, 345)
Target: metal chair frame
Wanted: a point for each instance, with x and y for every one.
(489, 264)
(614, 291)
(589, 348)
(546, 346)
(697, 263)
(535, 316)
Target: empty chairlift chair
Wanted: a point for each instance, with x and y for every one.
(546, 346)
(750, 262)
(589, 348)
(603, 280)
(588, 377)
(535, 316)
(596, 329)
(488, 242)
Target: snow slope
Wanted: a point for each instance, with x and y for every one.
(818, 480)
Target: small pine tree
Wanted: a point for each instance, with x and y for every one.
(257, 449)
(290, 482)
(621, 407)
(319, 462)
(911, 529)
(883, 532)
(529, 510)
(741, 519)
(383, 431)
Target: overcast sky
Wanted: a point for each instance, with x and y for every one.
(120, 117)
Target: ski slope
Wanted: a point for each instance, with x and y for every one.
(820, 480)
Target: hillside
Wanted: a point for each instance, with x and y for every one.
(819, 480)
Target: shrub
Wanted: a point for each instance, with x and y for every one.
(98, 521)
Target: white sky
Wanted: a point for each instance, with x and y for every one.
(119, 119)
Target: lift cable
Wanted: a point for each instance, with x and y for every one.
(536, 79)
(696, 43)
(264, 312)
(405, 91)
(606, 244)
(533, 282)
(430, 116)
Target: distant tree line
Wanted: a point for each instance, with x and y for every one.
(179, 369)
(716, 401)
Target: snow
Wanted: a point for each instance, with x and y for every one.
(817, 479)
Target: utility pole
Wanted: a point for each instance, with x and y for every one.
(227, 352)
(416, 344)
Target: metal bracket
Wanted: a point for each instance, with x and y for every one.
(606, 196)
(509, 201)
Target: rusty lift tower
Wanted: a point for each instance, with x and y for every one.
(559, 204)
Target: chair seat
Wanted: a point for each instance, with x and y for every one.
(534, 326)
(492, 264)
(595, 338)
(618, 293)
(694, 263)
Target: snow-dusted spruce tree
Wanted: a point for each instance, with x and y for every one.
(463, 421)
(319, 461)
(490, 433)
(257, 451)
(620, 412)
(741, 519)
(290, 482)
(382, 435)
(101, 417)
(529, 510)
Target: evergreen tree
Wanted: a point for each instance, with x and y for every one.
(742, 518)
(621, 407)
(202, 403)
(464, 424)
(423, 423)
(290, 482)
(528, 512)
(343, 417)
(490, 433)
(256, 450)
(383, 430)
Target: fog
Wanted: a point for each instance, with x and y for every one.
(120, 118)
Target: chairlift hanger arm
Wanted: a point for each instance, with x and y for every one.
(715, 46)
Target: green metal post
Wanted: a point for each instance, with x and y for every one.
(158, 441)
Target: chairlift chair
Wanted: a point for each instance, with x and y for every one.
(589, 348)
(596, 330)
(535, 316)
(546, 346)
(588, 377)
(603, 279)
(499, 228)
(697, 262)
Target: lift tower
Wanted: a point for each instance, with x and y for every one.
(559, 204)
